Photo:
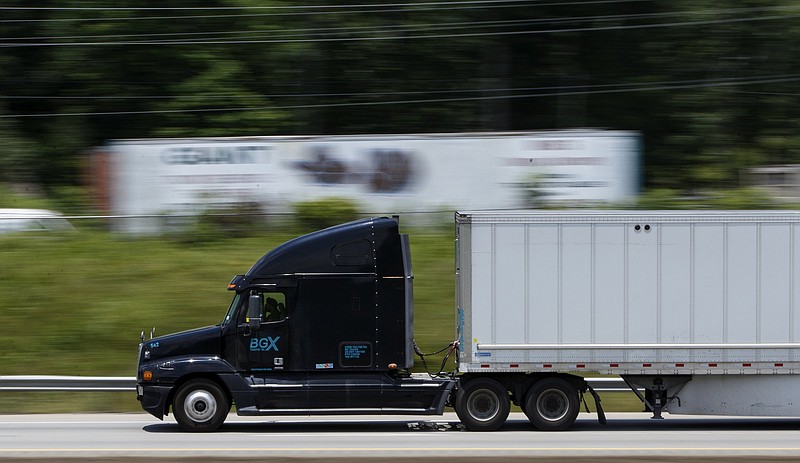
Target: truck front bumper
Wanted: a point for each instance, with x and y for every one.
(153, 399)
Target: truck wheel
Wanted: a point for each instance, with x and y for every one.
(552, 404)
(482, 404)
(200, 406)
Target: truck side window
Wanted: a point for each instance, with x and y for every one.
(232, 309)
(274, 308)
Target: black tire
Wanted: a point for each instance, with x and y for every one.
(200, 406)
(482, 404)
(552, 404)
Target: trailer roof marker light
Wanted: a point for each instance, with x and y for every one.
(778, 364)
(747, 364)
(680, 365)
(614, 365)
(580, 365)
(514, 365)
(712, 365)
(485, 365)
(547, 365)
(647, 365)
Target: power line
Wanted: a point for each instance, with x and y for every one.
(384, 10)
(678, 85)
(426, 27)
(685, 83)
(415, 37)
(271, 7)
(348, 29)
(411, 37)
(378, 29)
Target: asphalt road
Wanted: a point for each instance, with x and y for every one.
(627, 437)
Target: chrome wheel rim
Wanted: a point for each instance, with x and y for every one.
(483, 405)
(200, 406)
(552, 404)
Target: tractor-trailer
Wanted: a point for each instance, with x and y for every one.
(694, 310)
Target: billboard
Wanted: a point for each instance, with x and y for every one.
(383, 174)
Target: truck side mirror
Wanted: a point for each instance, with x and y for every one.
(254, 305)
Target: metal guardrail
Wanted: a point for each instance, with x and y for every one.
(67, 383)
(128, 384)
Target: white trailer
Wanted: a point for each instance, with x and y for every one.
(698, 309)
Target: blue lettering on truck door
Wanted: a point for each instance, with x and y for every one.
(265, 344)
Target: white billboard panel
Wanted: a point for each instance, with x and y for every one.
(381, 173)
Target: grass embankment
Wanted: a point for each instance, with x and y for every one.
(75, 304)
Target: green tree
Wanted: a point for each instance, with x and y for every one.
(712, 87)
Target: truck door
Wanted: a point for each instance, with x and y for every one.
(263, 332)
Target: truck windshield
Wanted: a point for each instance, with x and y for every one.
(232, 309)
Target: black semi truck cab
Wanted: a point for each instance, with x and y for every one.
(322, 324)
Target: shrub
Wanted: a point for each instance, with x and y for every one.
(323, 213)
(219, 223)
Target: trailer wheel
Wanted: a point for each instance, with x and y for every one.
(482, 404)
(552, 404)
(200, 406)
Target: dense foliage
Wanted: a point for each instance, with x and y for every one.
(712, 86)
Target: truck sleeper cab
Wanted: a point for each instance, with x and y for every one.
(319, 325)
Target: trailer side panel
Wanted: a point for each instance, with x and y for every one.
(629, 292)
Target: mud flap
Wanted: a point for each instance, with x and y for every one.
(601, 416)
